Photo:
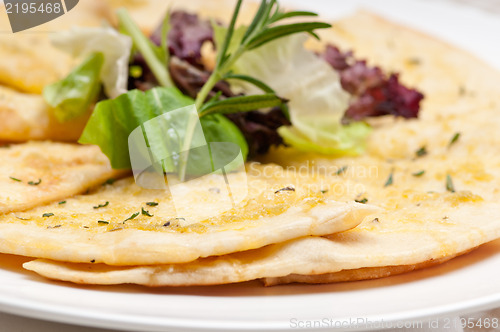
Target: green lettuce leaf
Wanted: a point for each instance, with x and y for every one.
(336, 140)
(218, 128)
(116, 48)
(113, 121)
(72, 96)
(317, 101)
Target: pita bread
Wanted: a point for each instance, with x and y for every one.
(38, 173)
(449, 209)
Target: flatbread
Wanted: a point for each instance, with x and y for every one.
(111, 226)
(25, 117)
(394, 243)
(101, 274)
(449, 209)
(364, 273)
(34, 174)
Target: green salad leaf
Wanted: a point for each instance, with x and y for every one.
(73, 96)
(113, 121)
(328, 138)
(218, 128)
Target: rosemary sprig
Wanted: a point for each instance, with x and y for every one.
(258, 33)
(261, 30)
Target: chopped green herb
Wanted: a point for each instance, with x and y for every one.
(285, 189)
(454, 139)
(166, 224)
(449, 184)
(341, 170)
(62, 202)
(47, 215)
(101, 205)
(22, 218)
(92, 261)
(362, 201)
(151, 204)
(376, 220)
(131, 217)
(32, 183)
(324, 191)
(103, 222)
(109, 181)
(146, 213)
(421, 152)
(116, 229)
(389, 181)
(56, 226)
(15, 179)
(418, 174)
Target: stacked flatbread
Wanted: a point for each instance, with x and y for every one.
(295, 225)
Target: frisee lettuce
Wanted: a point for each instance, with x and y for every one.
(72, 97)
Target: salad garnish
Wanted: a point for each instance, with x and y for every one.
(263, 89)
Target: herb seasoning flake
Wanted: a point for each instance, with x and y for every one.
(341, 170)
(146, 213)
(421, 152)
(32, 183)
(449, 184)
(101, 205)
(454, 139)
(285, 189)
(362, 201)
(390, 180)
(131, 217)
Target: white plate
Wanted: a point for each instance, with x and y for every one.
(466, 284)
